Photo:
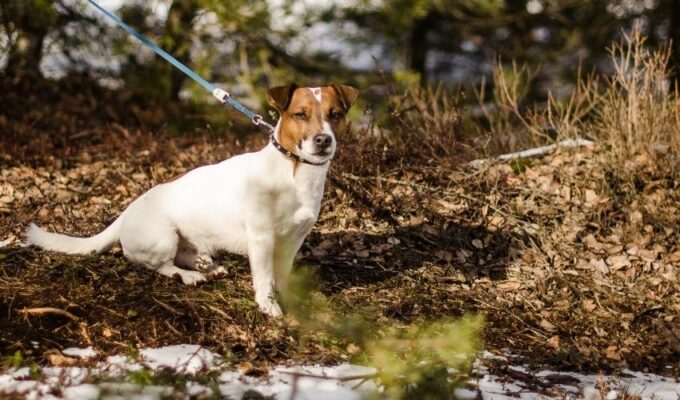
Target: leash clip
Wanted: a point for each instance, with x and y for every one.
(257, 119)
(221, 94)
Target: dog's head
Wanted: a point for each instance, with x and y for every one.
(312, 118)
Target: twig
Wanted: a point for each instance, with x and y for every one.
(355, 377)
(294, 391)
(341, 379)
(50, 310)
(361, 382)
(85, 334)
(116, 313)
(167, 307)
(185, 364)
(172, 328)
(218, 311)
(507, 312)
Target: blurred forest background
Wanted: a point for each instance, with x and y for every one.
(381, 47)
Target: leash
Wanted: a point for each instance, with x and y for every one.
(220, 94)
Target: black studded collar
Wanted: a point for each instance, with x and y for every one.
(293, 156)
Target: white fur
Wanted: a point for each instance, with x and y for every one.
(309, 150)
(316, 92)
(257, 204)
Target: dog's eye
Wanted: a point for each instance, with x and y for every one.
(300, 115)
(335, 115)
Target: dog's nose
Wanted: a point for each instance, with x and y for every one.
(323, 140)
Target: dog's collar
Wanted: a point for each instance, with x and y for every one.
(294, 156)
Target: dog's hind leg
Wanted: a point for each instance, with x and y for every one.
(187, 254)
(156, 245)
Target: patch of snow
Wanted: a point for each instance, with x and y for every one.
(486, 355)
(315, 381)
(21, 373)
(334, 383)
(119, 364)
(84, 353)
(338, 372)
(130, 390)
(465, 394)
(196, 390)
(590, 392)
(85, 391)
(491, 385)
(320, 382)
(64, 375)
(183, 358)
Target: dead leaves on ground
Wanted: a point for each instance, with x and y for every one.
(569, 267)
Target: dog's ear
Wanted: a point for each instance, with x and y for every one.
(279, 97)
(346, 94)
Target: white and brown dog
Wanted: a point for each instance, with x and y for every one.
(262, 204)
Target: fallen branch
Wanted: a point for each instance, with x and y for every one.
(537, 151)
(50, 310)
(340, 379)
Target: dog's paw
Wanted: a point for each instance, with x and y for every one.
(216, 272)
(273, 310)
(270, 307)
(204, 263)
(192, 278)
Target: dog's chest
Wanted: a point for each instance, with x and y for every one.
(300, 201)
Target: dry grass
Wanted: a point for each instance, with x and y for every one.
(632, 113)
(427, 120)
(638, 113)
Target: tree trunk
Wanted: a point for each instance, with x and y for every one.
(25, 54)
(30, 21)
(419, 45)
(176, 40)
(674, 34)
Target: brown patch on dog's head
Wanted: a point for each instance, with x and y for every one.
(347, 95)
(304, 117)
(279, 97)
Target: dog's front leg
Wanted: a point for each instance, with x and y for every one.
(261, 256)
(283, 264)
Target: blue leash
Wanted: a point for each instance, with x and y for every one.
(220, 94)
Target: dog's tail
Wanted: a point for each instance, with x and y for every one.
(74, 245)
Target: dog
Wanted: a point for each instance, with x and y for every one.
(261, 204)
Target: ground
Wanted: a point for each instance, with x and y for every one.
(571, 264)
(517, 242)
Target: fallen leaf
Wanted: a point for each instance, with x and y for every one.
(599, 265)
(618, 262)
(548, 326)
(445, 255)
(59, 360)
(613, 353)
(588, 305)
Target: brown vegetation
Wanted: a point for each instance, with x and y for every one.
(572, 259)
